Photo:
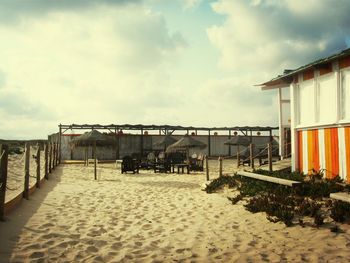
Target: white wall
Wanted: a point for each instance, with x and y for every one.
(345, 94)
(327, 99)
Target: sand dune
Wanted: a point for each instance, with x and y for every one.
(151, 217)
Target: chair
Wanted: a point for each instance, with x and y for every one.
(197, 164)
(151, 159)
(129, 165)
(162, 165)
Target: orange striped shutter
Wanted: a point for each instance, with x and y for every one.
(347, 153)
(300, 151)
(331, 152)
(313, 151)
(316, 151)
(310, 154)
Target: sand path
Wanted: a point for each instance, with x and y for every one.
(151, 218)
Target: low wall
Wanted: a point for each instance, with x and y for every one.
(131, 143)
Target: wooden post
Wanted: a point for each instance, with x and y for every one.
(85, 156)
(207, 167)
(26, 171)
(57, 153)
(46, 153)
(38, 167)
(220, 166)
(50, 157)
(269, 154)
(95, 170)
(60, 144)
(251, 147)
(54, 156)
(3, 178)
(141, 143)
(238, 157)
(229, 146)
(209, 148)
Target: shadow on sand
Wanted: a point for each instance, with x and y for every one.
(15, 222)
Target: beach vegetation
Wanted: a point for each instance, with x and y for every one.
(285, 204)
(340, 211)
(220, 182)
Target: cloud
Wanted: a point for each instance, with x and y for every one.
(272, 35)
(190, 4)
(17, 104)
(2, 79)
(234, 101)
(13, 10)
(106, 65)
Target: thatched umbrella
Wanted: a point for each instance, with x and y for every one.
(93, 138)
(165, 142)
(185, 143)
(238, 140)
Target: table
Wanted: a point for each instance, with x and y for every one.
(182, 166)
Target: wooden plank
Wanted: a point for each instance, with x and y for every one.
(3, 178)
(269, 179)
(95, 165)
(54, 156)
(269, 154)
(26, 171)
(341, 196)
(50, 157)
(220, 166)
(251, 156)
(46, 153)
(38, 167)
(207, 167)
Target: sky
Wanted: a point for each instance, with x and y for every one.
(175, 62)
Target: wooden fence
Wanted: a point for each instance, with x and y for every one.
(50, 162)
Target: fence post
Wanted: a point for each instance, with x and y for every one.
(207, 167)
(38, 167)
(251, 148)
(269, 154)
(220, 166)
(57, 153)
(50, 157)
(3, 178)
(46, 153)
(54, 156)
(95, 164)
(26, 171)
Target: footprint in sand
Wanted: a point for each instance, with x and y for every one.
(146, 227)
(139, 244)
(91, 249)
(47, 225)
(37, 255)
(117, 245)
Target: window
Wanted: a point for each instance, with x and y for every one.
(327, 99)
(306, 107)
(345, 94)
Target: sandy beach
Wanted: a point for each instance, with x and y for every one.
(151, 217)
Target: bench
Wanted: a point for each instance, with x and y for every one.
(270, 179)
(341, 196)
(91, 161)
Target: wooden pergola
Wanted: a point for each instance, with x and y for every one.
(163, 129)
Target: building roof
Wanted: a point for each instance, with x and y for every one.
(288, 75)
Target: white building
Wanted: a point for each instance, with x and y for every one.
(315, 102)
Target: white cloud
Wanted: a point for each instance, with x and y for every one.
(189, 4)
(102, 65)
(272, 35)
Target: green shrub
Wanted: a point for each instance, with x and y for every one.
(218, 183)
(340, 211)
